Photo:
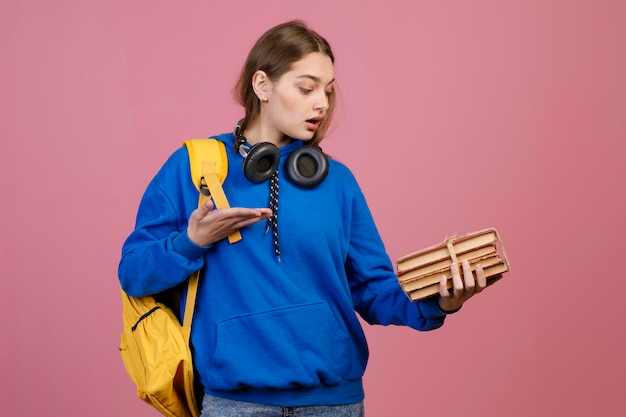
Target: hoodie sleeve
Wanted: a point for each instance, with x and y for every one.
(376, 293)
(158, 253)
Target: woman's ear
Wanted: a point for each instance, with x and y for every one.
(261, 84)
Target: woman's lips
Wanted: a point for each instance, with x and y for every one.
(313, 124)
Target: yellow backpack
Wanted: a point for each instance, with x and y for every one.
(154, 345)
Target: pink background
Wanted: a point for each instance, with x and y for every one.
(454, 116)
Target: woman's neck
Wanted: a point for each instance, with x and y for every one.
(258, 132)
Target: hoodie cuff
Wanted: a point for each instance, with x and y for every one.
(430, 308)
(183, 245)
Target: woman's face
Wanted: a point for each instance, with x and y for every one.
(299, 99)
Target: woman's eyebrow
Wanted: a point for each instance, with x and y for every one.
(315, 78)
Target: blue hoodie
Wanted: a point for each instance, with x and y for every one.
(279, 332)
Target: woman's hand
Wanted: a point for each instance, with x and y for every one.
(463, 288)
(207, 226)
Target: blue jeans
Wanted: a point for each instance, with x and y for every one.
(222, 407)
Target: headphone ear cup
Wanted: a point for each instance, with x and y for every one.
(261, 162)
(307, 167)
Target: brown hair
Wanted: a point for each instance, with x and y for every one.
(274, 53)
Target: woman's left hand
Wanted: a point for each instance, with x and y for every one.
(463, 288)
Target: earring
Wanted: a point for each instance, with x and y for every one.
(265, 100)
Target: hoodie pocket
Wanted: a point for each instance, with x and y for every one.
(296, 346)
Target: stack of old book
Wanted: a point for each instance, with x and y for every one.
(419, 273)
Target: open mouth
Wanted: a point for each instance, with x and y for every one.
(313, 124)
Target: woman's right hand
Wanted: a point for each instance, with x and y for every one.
(207, 226)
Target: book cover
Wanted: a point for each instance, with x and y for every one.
(419, 272)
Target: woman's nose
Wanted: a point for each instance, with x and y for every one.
(322, 103)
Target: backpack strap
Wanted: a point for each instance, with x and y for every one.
(209, 166)
(192, 292)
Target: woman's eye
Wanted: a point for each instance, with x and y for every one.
(305, 90)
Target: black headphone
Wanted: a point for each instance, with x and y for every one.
(306, 167)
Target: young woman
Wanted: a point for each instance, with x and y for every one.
(275, 327)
